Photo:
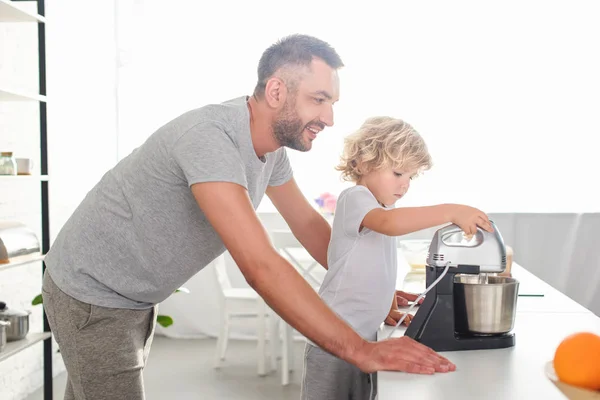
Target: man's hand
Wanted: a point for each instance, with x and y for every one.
(402, 354)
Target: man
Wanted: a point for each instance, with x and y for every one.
(180, 200)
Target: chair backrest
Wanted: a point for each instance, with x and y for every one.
(284, 239)
(288, 246)
(221, 272)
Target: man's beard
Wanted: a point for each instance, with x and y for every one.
(288, 129)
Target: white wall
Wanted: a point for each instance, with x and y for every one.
(518, 80)
(504, 94)
(82, 143)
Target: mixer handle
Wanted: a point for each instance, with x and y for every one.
(449, 229)
(453, 229)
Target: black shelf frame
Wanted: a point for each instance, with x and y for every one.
(45, 209)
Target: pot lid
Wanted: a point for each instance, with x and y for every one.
(7, 312)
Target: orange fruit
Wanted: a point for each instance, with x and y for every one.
(577, 360)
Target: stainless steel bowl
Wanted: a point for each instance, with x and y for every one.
(19, 322)
(485, 308)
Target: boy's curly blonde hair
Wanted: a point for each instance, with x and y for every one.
(383, 142)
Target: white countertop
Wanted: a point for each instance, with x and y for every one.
(513, 373)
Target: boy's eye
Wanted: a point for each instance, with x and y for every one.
(398, 173)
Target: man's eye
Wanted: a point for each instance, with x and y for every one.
(318, 100)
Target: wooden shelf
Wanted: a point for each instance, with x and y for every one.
(7, 94)
(15, 347)
(22, 260)
(23, 178)
(12, 13)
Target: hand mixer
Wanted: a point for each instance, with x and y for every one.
(444, 321)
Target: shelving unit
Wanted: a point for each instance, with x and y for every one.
(23, 260)
(16, 178)
(16, 347)
(16, 95)
(10, 12)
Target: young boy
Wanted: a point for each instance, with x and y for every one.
(382, 157)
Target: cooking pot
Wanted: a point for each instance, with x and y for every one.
(19, 322)
(3, 326)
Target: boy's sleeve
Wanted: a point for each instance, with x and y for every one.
(282, 172)
(357, 204)
(205, 153)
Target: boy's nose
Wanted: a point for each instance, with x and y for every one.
(404, 188)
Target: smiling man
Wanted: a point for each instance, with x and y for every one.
(180, 200)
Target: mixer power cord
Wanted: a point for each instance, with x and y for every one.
(419, 298)
(407, 311)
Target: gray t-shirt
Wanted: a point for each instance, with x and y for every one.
(139, 234)
(360, 283)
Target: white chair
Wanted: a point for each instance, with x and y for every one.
(281, 337)
(290, 248)
(239, 303)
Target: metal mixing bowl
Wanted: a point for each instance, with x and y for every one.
(485, 308)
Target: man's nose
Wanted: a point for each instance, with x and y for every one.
(327, 116)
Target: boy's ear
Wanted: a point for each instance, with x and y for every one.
(359, 167)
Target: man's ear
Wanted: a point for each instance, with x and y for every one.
(275, 92)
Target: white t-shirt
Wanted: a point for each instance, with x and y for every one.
(360, 283)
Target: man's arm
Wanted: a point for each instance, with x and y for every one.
(230, 212)
(307, 225)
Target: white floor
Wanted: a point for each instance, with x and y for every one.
(183, 370)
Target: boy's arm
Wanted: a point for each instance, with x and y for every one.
(400, 221)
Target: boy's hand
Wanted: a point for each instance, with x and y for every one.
(395, 315)
(403, 298)
(469, 218)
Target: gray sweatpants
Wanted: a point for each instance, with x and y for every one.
(104, 349)
(327, 377)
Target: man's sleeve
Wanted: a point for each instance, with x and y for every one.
(205, 153)
(282, 172)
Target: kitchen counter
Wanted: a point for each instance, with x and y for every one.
(514, 373)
